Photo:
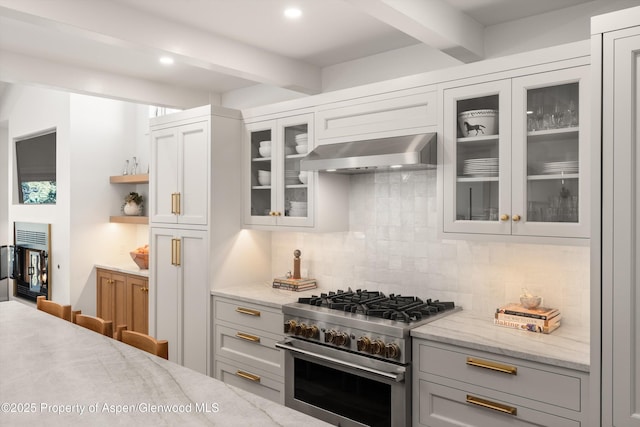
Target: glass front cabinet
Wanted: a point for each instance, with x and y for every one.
(517, 156)
(277, 193)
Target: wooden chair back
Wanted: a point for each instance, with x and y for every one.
(144, 342)
(53, 308)
(96, 324)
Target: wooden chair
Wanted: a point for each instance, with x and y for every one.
(96, 324)
(53, 308)
(142, 341)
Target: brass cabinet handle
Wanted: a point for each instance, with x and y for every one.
(178, 212)
(247, 337)
(175, 203)
(504, 217)
(248, 311)
(248, 376)
(175, 251)
(516, 218)
(494, 366)
(505, 409)
(144, 289)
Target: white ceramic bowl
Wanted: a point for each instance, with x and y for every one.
(265, 151)
(301, 149)
(265, 143)
(264, 180)
(478, 122)
(530, 302)
(303, 177)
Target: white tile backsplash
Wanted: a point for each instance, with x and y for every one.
(393, 246)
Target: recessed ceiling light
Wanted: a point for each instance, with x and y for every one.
(166, 60)
(293, 13)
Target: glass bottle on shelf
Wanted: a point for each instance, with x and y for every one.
(552, 154)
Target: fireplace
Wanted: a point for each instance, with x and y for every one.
(30, 260)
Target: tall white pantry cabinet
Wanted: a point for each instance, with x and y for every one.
(193, 209)
(616, 246)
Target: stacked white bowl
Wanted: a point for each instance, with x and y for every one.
(298, 208)
(264, 177)
(303, 176)
(265, 148)
(291, 177)
(302, 141)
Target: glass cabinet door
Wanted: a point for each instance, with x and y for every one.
(260, 151)
(294, 195)
(477, 168)
(550, 154)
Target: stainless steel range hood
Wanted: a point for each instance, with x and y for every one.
(406, 152)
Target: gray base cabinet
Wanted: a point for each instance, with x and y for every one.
(244, 347)
(456, 386)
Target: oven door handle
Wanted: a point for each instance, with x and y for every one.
(286, 345)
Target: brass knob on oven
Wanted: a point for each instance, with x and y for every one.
(392, 351)
(289, 326)
(330, 336)
(516, 218)
(377, 347)
(299, 329)
(504, 217)
(311, 332)
(341, 339)
(363, 344)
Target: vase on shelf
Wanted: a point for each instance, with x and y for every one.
(132, 208)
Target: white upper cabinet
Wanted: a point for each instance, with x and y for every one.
(180, 176)
(516, 154)
(277, 193)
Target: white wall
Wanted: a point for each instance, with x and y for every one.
(94, 137)
(393, 246)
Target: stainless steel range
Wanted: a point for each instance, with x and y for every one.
(348, 355)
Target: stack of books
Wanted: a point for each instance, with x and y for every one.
(541, 319)
(294, 284)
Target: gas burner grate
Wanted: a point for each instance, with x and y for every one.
(376, 304)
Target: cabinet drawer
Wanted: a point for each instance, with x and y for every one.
(249, 379)
(442, 406)
(377, 116)
(249, 346)
(249, 315)
(542, 384)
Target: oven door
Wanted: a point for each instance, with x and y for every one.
(344, 388)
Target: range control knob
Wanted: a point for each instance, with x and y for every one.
(330, 336)
(311, 332)
(341, 339)
(299, 329)
(377, 347)
(392, 351)
(289, 326)
(363, 344)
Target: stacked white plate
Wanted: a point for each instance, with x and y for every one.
(298, 208)
(291, 177)
(481, 167)
(570, 166)
(302, 141)
(264, 177)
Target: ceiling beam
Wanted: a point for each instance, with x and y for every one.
(433, 22)
(110, 22)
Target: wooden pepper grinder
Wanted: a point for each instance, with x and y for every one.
(296, 264)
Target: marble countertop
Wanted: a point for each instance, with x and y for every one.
(567, 346)
(263, 293)
(56, 373)
(126, 267)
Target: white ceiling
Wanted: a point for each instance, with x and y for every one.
(222, 45)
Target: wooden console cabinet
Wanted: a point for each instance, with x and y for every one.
(124, 299)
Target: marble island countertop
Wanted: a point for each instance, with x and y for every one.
(55, 373)
(567, 346)
(124, 267)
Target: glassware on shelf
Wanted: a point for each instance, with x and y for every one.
(134, 166)
(125, 169)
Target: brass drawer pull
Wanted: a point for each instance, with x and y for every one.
(494, 366)
(248, 376)
(248, 311)
(247, 337)
(506, 409)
